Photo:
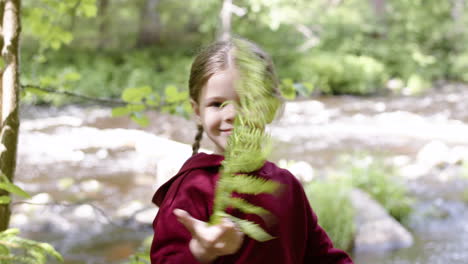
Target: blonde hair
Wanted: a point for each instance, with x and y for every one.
(217, 57)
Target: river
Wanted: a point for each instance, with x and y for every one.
(95, 193)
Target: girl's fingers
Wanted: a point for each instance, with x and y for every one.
(225, 237)
(228, 223)
(186, 219)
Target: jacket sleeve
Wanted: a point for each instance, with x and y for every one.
(171, 238)
(319, 248)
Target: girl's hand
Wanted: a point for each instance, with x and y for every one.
(210, 242)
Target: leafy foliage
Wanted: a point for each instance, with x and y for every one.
(44, 20)
(6, 185)
(14, 249)
(33, 252)
(332, 47)
(333, 73)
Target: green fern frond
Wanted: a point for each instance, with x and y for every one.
(249, 145)
(243, 183)
(247, 207)
(251, 229)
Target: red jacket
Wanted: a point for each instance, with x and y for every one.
(298, 237)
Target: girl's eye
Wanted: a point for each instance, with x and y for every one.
(216, 104)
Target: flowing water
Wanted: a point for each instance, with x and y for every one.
(97, 184)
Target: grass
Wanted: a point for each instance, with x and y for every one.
(331, 203)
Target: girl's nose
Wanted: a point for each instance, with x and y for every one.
(229, 112)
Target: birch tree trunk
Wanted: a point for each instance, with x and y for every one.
(10, 30)
(225, 17)
(379, 8)
(458, 7)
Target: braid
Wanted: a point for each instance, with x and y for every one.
(198, 137)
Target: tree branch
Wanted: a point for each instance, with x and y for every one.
(115, 102)
(73, 94)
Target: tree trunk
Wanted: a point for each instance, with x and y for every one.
(11, 27)
(150, 25)
(225, 17)
(379, 8)
(103, 19)
(458, 7)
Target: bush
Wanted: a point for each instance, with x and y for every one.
(341, 73)
(330, 201)
(459, 68)
(104, 74)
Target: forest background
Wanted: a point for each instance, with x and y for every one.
(135, 54)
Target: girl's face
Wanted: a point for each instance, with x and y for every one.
(216, 107)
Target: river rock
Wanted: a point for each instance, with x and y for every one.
(146, 216)
(175, 156)
(170, 165)
(130, 209)
(434, 156)
(434, 153)
(458, 155)
(303, 171)
(376, 229)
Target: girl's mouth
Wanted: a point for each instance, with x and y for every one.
(227, 131)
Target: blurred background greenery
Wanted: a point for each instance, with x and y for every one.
(101, 47)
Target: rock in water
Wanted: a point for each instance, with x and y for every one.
(376, 229)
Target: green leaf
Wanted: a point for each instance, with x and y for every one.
(36, 91)
(4, 251)
(49, 249)
(136, 94)
(121, 111)
(287, 89)
(89, 8)
(10, 232)
(11, 188)
(55, 44)
(140, 119)
(47, 81)
(72, 76)
(136, 107)
(5, 199)
(66, 37)
(173, 95)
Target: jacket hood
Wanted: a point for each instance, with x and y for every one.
(198, 161)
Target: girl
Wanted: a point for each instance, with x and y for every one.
(182, 235)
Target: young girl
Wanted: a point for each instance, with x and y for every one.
(182, 235)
